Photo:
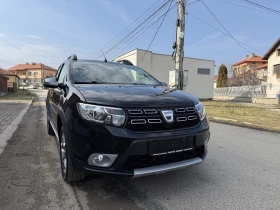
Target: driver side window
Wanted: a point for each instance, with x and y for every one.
(62, 74)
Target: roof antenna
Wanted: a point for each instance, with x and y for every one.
(105, 60)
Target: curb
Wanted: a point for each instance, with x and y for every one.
(7, 134)
(244, 126)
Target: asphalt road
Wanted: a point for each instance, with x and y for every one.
(242, 171)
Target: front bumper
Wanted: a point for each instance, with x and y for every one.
(88, 138)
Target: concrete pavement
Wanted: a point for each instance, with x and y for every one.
(241, 172)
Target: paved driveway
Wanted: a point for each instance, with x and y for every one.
(241, 172)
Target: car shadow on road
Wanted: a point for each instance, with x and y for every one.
(144, 192)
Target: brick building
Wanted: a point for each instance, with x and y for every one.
(3, 84)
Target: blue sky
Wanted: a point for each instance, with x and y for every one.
(48, 31)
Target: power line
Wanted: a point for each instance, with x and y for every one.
(140, 25)
(262, 7)
(228, 35)
(241, 6)
(126, 28)
(222, 32)
(158, 29)
(224, 27)
(141, 32)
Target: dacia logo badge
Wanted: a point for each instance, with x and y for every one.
(168, 115)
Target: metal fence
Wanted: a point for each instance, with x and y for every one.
(258, 91)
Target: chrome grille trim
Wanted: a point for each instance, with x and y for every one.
(135, 111)
(151, 121)
(138, 121)
(182, 119)
(192, 118)
(190, 109)
(150, 111)
(180, 110)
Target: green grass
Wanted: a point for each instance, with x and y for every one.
(19, 95)
(255, 117)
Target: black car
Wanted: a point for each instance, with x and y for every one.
(115, 118)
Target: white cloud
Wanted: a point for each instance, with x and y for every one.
(50, 55)
(2, 35)
(115, 9)
(34, 37)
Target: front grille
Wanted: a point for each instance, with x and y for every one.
(152, 119)
(143, 161)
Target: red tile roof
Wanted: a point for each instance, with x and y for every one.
(7, 73)
(262, 66)
(272, 49)
(31, 66)
(255, 58)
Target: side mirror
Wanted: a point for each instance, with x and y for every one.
(164, 84)
(50, 82)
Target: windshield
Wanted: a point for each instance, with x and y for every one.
(111, 73)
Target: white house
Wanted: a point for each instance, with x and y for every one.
(200, 71)
(273, 70)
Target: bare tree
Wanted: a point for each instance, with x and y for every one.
(247, 78)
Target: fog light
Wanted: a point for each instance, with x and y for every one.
(101, 160)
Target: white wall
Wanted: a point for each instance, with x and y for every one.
(159, 66)
(131, 56)
(199, 84)
(271, 77)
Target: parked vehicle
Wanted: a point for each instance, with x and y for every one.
(114, 118)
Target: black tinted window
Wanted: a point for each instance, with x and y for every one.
(88, 72)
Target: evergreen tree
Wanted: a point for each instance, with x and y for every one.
(222, 76)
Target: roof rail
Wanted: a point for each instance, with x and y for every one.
(127, 62)
(73, 57)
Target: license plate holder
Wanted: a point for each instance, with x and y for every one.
(169, 146)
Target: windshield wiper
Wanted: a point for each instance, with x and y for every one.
(135, 83)
(92, 82)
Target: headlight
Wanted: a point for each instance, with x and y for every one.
(200, 110)
(102, 114)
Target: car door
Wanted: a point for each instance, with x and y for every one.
(58, 93)
(51, 106)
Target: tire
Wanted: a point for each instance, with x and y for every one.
(49, 127)
(69, 174)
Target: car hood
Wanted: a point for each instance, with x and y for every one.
(135, 95)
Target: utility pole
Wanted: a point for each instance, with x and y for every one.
(180, 34)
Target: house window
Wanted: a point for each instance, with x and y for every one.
(36, 80)
(278, 52)
(30, 80)
(35, 74)
(24, 73)
(29, 73)
(276, 70)
(203, 71)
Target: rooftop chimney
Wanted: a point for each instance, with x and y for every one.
(27, 63)
(247, 56)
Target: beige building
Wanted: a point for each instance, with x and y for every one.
(199, 73)
(251, 63)
(13, 82)
(32, 73)
(273, 70)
